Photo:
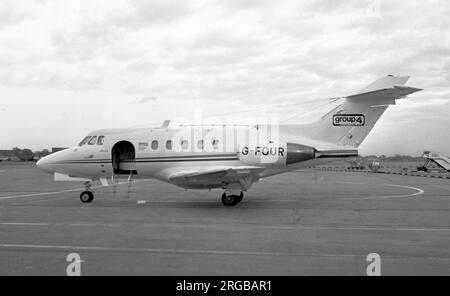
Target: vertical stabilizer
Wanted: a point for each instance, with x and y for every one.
(351, 121)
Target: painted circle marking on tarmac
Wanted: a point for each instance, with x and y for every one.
(63, 191)
(418, 191)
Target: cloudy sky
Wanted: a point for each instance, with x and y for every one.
(68, 67)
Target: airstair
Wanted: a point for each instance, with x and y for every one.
(437, 158)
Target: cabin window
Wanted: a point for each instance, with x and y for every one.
(215, 144)
(93, 140)
(85, 140)
(169, 145)
(100, 140)
(154, 145)
(184, 144)
(200, 144)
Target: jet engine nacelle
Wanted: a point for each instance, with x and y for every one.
(298, 153)
(280, 154)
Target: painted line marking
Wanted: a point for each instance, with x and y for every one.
(165, 251)
(363, 228)
(24, 224)
(418, 191)
(62, 191)
(201, 252)
(96, 224)
(42, 200)
(40, 194)
(183, 225)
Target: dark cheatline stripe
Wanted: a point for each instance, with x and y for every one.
(83, 162)
(337, 151)
(163, 158)
(187, 160)
(337, 155)
(88, 161)
(189, 156)
(155, 160)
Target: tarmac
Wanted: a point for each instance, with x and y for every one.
(301, 223)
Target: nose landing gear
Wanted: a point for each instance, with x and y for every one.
(87, 196)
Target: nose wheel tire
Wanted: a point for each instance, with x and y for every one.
(86, 196)
(231, 200)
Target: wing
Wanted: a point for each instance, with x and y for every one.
(216, 177)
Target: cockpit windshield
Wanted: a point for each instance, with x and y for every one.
(85, 140)
(100, 140)
(93, 140)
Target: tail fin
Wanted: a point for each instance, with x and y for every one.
(350, 122)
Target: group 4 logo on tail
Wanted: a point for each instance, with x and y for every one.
(348, 120)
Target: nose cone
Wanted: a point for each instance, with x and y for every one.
(51, 163)
(45, 164)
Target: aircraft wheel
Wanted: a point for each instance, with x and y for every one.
(86, 196)
(230, 200)
(240, 197)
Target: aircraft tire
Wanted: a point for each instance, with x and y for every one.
(230, 200)
(240, 197)
(86, 196)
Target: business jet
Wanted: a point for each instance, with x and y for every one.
(226, 157)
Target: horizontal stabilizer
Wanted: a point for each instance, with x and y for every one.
(386, 95)
(384, 82)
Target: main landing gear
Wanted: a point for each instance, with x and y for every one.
(87, 195)
(231, 200)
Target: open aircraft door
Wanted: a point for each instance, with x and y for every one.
(123, 155)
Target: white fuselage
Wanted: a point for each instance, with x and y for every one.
(159, 153)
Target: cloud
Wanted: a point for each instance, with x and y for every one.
(13, 12)
(144, 46)
(248, 54)
(141, 13)
(145, 100)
